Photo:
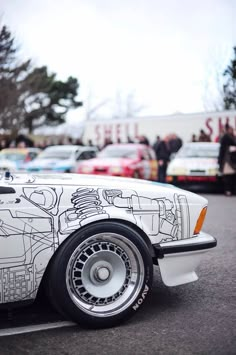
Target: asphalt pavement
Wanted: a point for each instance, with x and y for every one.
(197, 318)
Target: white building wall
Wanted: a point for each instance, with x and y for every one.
(184, 125)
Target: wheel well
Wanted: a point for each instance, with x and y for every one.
(124, 222)
(139, 231)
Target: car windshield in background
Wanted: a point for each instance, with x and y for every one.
(63, 155)
(119, 152)
(191, 151)
(13, 156)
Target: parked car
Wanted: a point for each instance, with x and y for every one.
(128, 160)
(195, 165)
(91, 241)
(7, 165)
(16, 158)
(61, 158)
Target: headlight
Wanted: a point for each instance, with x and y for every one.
(86, 169)
(115, 170)
(177, 171)
(212, 171)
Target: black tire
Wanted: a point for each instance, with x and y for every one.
(89, 279)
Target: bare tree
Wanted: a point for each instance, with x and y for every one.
(126, 106)
(213, 85)
(93, 106)
(121, 106)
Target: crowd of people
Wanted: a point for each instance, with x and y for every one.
(164, 149)
(202, 137)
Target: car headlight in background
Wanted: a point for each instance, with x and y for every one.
(115, 170)
(86, 169)
(213, 171)
(177, 171)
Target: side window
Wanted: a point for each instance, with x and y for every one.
(86, 155)
(92, 154)
(81, 156)
(32, 155)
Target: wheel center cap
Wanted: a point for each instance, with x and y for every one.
(102, 273)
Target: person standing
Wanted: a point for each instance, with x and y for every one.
(156, 143)
(143, 140)
(175, 143)
(163, 156)
(227, 160)
(203, 137)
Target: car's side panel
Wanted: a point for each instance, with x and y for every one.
(28, 239)
(36, 219)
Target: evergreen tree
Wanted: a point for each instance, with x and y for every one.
(230, 85)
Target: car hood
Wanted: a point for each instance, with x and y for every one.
(194, 163)
(97, 181)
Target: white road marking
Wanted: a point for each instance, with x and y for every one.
(35, 328)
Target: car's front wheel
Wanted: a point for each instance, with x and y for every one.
(101, 275)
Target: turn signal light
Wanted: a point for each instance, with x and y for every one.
(200, 221)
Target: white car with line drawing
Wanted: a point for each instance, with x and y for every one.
(92, 242)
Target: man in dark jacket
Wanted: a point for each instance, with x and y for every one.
(225, 160)
(175, 143)
(163, 156)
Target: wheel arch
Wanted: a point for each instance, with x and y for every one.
(122, 221)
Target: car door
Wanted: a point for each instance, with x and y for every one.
(26, 232)
(23, 224)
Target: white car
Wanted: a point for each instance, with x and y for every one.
(91, 242)
(195, 164)
(61, 158)
(7, 165)
(15, 159)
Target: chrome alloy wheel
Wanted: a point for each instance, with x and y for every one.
(105, 274)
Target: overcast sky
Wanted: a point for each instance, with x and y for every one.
(160, 50)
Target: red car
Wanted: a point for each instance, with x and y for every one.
(129, 160)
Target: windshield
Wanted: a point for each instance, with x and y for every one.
(119, 152)
(13, 156)
(196, 151)
(61, 154)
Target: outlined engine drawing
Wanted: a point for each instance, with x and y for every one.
(163, 215)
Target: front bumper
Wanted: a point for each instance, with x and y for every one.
(188, 179)
(178, 260)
